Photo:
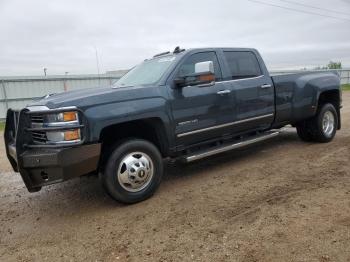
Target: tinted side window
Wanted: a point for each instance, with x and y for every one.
(188, 65)
(242, 64)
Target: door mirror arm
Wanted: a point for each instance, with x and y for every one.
(201, 79)
(180, 82)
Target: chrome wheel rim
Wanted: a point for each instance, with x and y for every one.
(135, 171)
(328, 123)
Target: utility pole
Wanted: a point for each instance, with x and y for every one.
(98, 66)
(65, 88)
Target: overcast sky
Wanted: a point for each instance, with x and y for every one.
(62, 35)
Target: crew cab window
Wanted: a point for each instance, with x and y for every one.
(242, 64)
(188, 68)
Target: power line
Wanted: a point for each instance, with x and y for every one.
(314, 7)
(298, 10)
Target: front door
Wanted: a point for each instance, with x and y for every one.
(199, 111)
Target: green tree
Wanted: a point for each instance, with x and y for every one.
(334, 65)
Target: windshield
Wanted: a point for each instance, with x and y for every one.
(148, 72)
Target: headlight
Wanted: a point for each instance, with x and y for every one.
(71, 116)
(56, 126)
(64, 119)
(64, 136)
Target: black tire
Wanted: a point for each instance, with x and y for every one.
(316, 124)
(304, 132)
(34, 189)
(111, 181)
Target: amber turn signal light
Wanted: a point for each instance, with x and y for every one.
(72, 135)
(69, 116)
(207, 78)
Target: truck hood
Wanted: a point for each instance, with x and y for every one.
(85, 98)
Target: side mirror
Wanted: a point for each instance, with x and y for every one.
(204, 67)
(203, 75)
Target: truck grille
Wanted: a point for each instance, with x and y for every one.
(39, 137)
(37, 119)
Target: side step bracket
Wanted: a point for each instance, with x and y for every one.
(226, 147)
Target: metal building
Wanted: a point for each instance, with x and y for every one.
(17, 92)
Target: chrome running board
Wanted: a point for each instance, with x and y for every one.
(224, 148)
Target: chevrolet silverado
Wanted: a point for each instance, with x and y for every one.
(183, 105)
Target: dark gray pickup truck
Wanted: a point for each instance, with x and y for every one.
(183, 105)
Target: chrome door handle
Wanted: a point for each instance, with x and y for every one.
(265, 86)
(223, 92)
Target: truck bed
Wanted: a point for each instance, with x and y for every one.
(297, 94)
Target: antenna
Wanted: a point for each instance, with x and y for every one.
(178, 50)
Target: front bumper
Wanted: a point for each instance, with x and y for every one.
(41, 167)
(44, 166)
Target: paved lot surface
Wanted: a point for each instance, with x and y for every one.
(282, 200)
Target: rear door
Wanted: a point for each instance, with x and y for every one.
(252, 90)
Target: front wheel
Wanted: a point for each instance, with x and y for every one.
(133, 171)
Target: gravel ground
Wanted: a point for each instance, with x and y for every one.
(281, 200)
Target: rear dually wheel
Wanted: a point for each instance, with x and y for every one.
(322, 127)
